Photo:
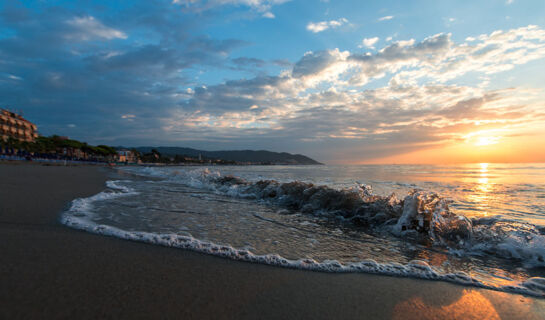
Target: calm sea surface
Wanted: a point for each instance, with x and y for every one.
(475, 224)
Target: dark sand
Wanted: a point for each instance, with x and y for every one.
(48, 270)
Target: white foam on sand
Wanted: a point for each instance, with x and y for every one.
(80, 213)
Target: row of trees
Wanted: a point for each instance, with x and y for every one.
(55, 145)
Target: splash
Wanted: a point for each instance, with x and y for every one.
(79, 216)
(420, 215)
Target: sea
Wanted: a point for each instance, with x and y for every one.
(480, 225)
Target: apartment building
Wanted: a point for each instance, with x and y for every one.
(17, 127)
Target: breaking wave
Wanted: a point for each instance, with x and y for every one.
(420, 215)
(417, 216)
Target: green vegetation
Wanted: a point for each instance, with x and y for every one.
(55, 144)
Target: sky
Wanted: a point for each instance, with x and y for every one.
(344, 82)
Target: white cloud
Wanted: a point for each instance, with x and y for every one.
(508, 2)
(88, 28)
(405, 43)
(258, 5)
(370, 42)
(450, 21)
(14, 77)
(385, 18)
(268, 15)
(324, 25)
(128, 117)
(323, 98)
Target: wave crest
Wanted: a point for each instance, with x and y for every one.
(423, 213)
(420, 214)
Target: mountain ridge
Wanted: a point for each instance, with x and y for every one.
(253, 156)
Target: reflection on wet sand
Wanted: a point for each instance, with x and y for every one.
(436, 259)
(472, 304)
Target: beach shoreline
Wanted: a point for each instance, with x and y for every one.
(50, 270)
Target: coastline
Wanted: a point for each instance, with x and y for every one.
(50, 270)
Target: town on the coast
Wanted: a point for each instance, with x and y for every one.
(20, 140)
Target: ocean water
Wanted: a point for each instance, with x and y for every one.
(477, 224)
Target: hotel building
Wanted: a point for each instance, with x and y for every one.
(126, 156)
(17, 127)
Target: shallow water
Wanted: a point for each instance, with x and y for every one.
(350, 225)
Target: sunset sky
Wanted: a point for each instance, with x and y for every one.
(340, 81)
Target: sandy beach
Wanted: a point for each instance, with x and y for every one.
(48, 270)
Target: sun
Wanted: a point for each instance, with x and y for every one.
(483, 138)
(486, 141)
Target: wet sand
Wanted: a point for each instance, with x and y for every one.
(48, 270)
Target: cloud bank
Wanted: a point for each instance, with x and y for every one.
(130, 80)
(322, 99)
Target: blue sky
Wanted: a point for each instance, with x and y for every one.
(341, 81)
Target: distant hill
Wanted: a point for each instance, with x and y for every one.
(261, 156)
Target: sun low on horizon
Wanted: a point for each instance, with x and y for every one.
(476, 149)
(343, 82)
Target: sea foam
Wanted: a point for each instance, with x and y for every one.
(420, 214)
(80, 215)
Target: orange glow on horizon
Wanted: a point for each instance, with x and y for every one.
(474, 149)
